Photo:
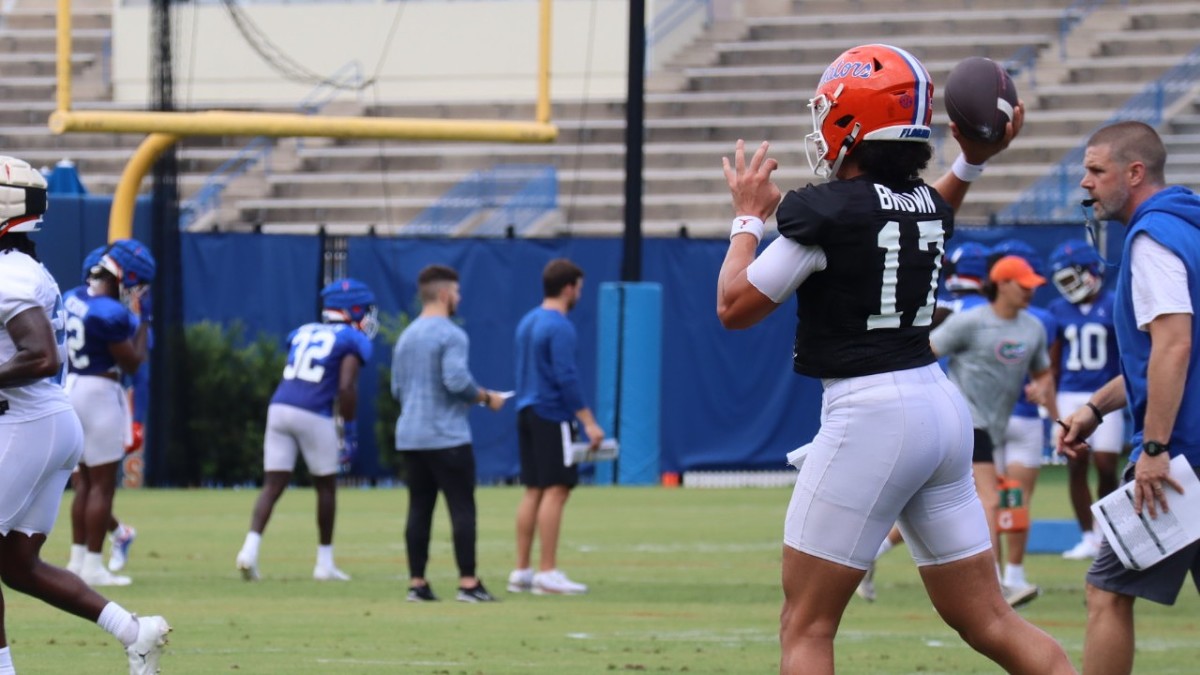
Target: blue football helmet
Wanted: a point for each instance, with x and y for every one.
(1020, 249)
(966, 267)
(92, 260)
(1075, 270)
(350, 301)
(130, 262)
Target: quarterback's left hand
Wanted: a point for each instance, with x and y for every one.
(349, 445)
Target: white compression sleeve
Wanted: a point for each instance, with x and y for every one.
(783, 266)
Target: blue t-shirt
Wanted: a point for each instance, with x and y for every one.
(315, 353)
(1025, 407)
(93, 323)
(1172, 218)
(547, 377)
(1088, 342)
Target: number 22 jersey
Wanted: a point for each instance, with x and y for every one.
(315, 352)
(870, 310)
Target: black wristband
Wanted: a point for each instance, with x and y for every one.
(1096, 412)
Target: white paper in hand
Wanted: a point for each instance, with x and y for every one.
(1141, 541)
(580, 451)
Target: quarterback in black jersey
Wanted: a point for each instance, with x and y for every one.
(862, 253)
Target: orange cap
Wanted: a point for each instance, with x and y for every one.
(1015, 268)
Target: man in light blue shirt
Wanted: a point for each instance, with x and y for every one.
(435, 389)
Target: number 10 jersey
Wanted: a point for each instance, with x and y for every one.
(870, 310)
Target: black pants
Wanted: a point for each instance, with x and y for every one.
(451, 470)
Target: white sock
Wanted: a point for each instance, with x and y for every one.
(6, 664)
(77, 553)
(93, 560)
(250, 546)
(1014, 575)
(325, 556)
(116, 620)
(884, 548)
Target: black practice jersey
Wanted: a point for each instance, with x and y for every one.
(869, 311)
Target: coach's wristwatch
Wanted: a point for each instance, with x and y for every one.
(1154, 448)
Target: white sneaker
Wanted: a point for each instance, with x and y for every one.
(75, 567)
(555, 582)
(520, 581)
(144, 652)
(1086, 549)
(102, 577)
(866, 587)
(1016, 596)
(121, 540)
(248, 566)
(329, 573)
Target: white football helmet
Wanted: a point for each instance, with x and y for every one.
(22, 196)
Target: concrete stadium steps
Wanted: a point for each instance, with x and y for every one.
(42, 40)
(1176, 41)
(41, 65)
(954, 48)
(467, 157)
(885, 23)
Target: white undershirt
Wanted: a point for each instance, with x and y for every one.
(783, 266)
(1160, 281)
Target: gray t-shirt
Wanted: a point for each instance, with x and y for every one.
(989, 359)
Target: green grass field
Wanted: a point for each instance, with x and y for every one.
(681, 581)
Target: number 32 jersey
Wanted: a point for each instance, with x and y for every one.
(315, 353)
(870, 310)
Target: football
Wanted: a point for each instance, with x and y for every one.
(980, 97)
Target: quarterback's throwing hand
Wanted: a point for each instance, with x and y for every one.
(750, 185)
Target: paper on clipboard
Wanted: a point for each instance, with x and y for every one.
(580, 451)
(1141, 541)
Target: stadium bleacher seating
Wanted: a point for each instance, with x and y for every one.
(745, 78)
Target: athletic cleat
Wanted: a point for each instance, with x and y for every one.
(555, 582)
(421, 594)
(121, 540)
(476, 594)
(144, 652)
(330, 573)
(866, 587)
(520, 581)
(1019, 596)
(1084, 550)
(248, 567)
(75, 567)
(102, 577)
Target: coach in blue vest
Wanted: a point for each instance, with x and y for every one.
(1157, 337)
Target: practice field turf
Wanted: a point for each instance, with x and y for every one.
(682, 581)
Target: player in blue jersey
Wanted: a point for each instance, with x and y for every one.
(323, 363)
(1020, 457)
(1084, 355)
(121, 536)
(105, 341)
(966, 270)
(40, 436)
(1156, 298)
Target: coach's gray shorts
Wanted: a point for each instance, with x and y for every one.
(1160, 583)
